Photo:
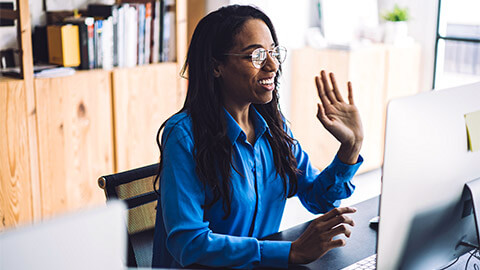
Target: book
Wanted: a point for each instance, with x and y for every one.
(141, 34)
(85, 29)
(156, 19)
(131, 35)
(169, 38)
(40, 46)
(107, 43)
(148, 30)
(98, 26)
(120, 38)
(63, 45)
(103, 12)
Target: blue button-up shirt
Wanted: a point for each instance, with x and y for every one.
(185, 233)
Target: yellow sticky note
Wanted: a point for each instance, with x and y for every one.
(472, 121)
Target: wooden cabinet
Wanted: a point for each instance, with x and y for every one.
(75, 139)
(378, 73)
(58, 135)
(16, 203)
(143, 98)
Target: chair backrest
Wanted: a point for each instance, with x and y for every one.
(135, 187)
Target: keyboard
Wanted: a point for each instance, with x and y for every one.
(367, 263)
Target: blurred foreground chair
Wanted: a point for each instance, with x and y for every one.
(135, 187)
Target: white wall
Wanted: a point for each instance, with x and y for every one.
(422, 27)
(7, 35)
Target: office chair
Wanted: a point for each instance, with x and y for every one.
(135, 187)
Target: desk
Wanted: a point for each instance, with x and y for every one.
(361, 244)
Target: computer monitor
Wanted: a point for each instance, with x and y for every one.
(94, 238)
(424, 211)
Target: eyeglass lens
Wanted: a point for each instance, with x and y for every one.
(259, 56)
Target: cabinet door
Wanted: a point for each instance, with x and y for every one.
(143, 98)
(75, 139)
(15, 185)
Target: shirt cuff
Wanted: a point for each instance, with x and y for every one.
(346, 171)
(274, 253)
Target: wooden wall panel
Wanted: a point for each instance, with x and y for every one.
(367, 73)
(378, 73)
(402, 71)
(15, 186)
(364, 68)
(306, 64)
(144, 97)
(75, 139)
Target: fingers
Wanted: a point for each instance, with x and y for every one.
(326, 87)
(319, 236)
(335, 88)
(321, 115)
(341, 229)
(350, 93)
(331, 94)
(336, 243)
(338, 211)
(321, 91)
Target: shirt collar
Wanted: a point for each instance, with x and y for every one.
(234, 130)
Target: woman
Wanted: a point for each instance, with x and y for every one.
(229, 161)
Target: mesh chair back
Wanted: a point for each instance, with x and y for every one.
(135, 187)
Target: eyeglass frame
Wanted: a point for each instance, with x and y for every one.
(265, 60)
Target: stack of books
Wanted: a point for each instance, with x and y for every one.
(125, 35)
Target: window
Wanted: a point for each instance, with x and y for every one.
(457, 48)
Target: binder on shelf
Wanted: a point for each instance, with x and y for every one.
(63, 45)
(40, 45)
(86, 33)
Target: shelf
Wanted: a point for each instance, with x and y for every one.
(6, 79)
(7, 14)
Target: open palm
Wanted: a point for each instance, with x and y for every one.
(341, 119)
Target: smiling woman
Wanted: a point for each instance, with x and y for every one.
(228, 160)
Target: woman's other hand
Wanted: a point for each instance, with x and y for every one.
(341, 119)
(317, 240)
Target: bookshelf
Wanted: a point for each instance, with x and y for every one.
(62, 133)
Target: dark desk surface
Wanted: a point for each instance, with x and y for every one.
(361, 244)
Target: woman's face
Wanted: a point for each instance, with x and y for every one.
(242, 83)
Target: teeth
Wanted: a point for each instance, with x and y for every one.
(266, 81)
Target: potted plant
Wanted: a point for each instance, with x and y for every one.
(396, 29)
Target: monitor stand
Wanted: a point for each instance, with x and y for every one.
(474, 188)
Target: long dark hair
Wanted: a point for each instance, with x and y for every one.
(212, 38)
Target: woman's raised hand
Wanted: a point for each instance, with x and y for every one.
(341, 119)
(317, 240)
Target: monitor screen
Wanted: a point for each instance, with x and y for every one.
(424, 209)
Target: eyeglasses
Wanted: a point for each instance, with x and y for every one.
(259, 55)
